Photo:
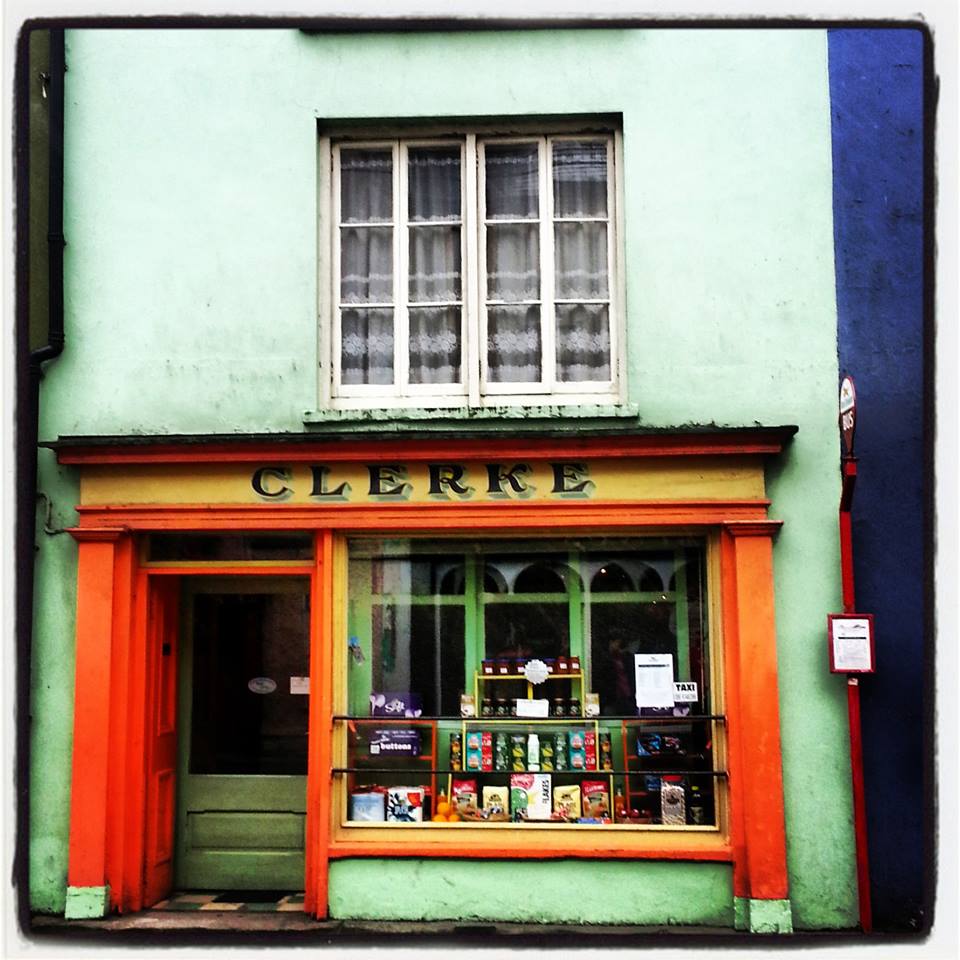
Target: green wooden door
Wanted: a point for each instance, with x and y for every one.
(242, 756)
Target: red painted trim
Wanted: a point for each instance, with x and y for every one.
(464, 848)
(859, 806)
(423, 517)
(378, 449)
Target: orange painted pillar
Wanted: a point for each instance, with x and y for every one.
(749, 548)
(319, 744)
(91, 708)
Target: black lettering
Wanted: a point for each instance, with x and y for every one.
(277, 473)
(566, 477)
(386, 473)
(496, 477)
(446, 475)
(320, 484)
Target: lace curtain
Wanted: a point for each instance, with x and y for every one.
(433, 286)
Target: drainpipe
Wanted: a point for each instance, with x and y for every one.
(29, 374)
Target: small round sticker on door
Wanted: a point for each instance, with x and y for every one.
(262, 685)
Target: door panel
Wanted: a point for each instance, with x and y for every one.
(243, 734)
(163, 606)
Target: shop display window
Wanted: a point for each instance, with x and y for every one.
(517, 682)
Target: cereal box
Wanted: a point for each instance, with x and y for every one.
(530, 796)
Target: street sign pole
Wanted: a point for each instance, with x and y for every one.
(848, 470)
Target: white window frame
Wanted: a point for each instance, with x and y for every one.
(475, 390)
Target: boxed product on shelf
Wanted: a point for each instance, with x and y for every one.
(566, 801)
(405, 804)
(368, 807)
(596, 798)
(673, 808)
(463, 795)
(530, 796)
(496, 803)
(395, 704)
(479, 750)
(402, 742)
(590, 749)
(577, 752)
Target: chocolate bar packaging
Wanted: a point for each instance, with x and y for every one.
(530, 796)
(596, 799)
(566, 801)
(394, 743)
(395, 704)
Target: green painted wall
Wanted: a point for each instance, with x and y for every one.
(571, 891)
(191, 307)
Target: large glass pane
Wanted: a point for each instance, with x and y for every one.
(512, 181)
(366, 346)
(583, 342)
(579, 178)
(366, 264)
(434, 264)
(433, 183)
(434, 344)
(366, 185)
(250, 653)
(513, 262)
(513, 344)
(581, 261)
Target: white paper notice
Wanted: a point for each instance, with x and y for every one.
(533, 708)
(851, 644)
(300, 685)
(654, 679)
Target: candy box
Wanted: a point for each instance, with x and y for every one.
(530, 796)
(405, 804)
(596, 798)
(496, 803)
(590, 749)
(394, 743)
(566, 801)
(395, 704)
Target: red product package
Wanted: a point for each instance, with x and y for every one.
(596, 799)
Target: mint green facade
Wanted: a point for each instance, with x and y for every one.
(191, 216)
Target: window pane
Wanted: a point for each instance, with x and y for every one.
(579, 178)
(583, 342)
(434, 263)
(229, 546)
(366, 185)
(434, 183)
(512, 181)
(366, 346)
(434, 344)
(366, 265)
(581, 260)
(513, 262)
(236, 638)
(535, 629)
(513, 344)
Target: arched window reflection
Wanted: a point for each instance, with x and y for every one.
(611, 578)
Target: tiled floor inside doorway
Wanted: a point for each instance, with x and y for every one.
(248, 901)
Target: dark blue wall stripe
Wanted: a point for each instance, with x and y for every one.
(876, 89)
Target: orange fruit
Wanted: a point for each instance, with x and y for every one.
(454, 817)
(443, 808)
(439, 818)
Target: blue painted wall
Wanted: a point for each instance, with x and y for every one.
(876, 86)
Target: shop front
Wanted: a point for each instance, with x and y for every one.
(297, 652)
